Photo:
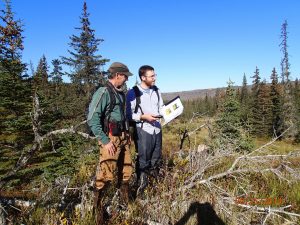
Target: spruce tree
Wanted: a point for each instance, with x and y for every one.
(11, 42)
(285, 65)
(255, 82)
(244, 91)
(56, 74)
(41, 75)
(289, 116)
(217, 99)
(85, 64)
(244, 101)
(207, 104)
(48, 96)
(255, 108)
(228, 132)
(275, 95)
(297, 101)
(264, 122)
(15, 92)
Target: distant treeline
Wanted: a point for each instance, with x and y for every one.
(267, 109)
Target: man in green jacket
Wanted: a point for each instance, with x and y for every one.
(107, 121)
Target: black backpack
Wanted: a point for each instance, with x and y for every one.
(109, 109)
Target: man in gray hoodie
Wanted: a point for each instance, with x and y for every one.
(143, 107)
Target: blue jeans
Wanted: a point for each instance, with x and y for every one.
(149, 150)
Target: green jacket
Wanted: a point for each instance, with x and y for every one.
(97, 108)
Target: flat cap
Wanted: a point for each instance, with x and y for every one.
(118, 67)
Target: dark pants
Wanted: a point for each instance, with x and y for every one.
(149, 150)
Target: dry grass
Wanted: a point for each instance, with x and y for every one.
(195, 185)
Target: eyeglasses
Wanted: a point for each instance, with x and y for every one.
(152, 76)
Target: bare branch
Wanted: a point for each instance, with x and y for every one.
(198, 128)
(237, 160)
(269, 209)
(271, 142)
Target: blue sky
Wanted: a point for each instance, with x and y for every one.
(192, 44)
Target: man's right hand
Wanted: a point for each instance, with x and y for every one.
(149, 117)
(110, 148)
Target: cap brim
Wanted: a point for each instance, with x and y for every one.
(128, 74)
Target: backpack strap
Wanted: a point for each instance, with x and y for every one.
(113, 94)
(155, 88)
(112, 101)
(137, 94)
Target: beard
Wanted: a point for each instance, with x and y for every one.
(149, 83)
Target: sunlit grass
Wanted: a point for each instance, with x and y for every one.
(177, 171)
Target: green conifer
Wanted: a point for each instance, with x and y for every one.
(85, 64)
(228, 132)
(275, 95)
(15, 92)
(255, 108)
(289, 115)
(264, 122)
(41, 75)
(244, 101)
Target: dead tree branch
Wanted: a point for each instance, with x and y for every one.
(239, 171)
(186, 134)
(268, 209)
(237, 160)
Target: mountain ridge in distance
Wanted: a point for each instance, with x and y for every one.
(191, 95)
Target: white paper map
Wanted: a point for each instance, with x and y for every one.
(171, 110)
